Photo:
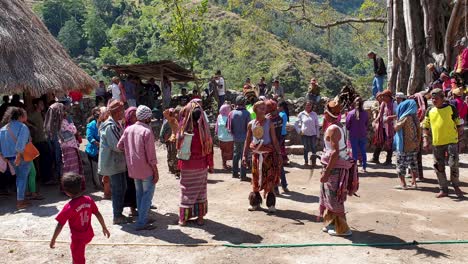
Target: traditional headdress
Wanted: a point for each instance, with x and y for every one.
(203, 127)
(333, 108)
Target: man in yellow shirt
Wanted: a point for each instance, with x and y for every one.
(442, 123)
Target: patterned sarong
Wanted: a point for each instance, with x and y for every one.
(193, 187)
(227, 149)
(270, 170)
(72, 163)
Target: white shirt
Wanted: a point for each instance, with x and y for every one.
(307, 124)
(115, 91)
(221, 86)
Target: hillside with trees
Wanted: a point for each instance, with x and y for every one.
(240, 39)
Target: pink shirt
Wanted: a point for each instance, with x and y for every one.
(140, 151)
(463, 58)
(78, 213)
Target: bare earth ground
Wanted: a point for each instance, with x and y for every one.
(381, 214)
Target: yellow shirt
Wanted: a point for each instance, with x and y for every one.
(443, 124)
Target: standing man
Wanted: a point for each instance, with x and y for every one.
(39, 139)
(379, 73)
(277, 121)
(115, 89)
(166, 92)
(138, 143)
(277, 91)
(238, 121)
(101, 94)
(262, 87)
(221, 87)
(112, 160)
(313, 94)
(130, 91)
(442, 123)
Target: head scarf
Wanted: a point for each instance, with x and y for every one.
(187, 126)
(143, 113)
(53, 119)
(404, 109)
(225, 110)
(128, 116)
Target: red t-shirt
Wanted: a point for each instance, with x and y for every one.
(78, 213)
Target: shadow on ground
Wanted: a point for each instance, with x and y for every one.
(300, 197)
(366, 237)
(167, 230)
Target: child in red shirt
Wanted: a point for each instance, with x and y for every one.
(78, 213)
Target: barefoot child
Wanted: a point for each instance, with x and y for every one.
(78, 213)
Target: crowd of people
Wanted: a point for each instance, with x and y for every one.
(251, 132)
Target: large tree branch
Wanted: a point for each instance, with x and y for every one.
(344, 21)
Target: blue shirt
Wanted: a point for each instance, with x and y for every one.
(223, 133)
(240, 119)
(8, 147)
(92, 135)
(285, 122)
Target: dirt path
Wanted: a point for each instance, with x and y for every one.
(381, 214)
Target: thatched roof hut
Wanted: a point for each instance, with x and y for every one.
(31, 59)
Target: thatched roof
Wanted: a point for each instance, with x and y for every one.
(156, 70)
(31, 59)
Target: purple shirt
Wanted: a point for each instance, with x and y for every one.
(140, 151)
(357, 128)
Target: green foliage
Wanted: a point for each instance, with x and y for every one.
(184, 30)
(95, 30)
(260, 40)
(70, 36)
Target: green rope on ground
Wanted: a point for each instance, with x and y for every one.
(243, 246)
(396, 244)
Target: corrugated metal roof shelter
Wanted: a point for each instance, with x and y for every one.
(156, 70)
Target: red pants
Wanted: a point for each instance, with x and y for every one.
(78, 247)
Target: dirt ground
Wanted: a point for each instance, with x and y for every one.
(381, 214)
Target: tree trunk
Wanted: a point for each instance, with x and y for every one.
(397, 76)
(391, 72)
(414, 22)
(458, 13)
(401, 71)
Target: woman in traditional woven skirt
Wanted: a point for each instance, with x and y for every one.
(338, 171)
(266, 158)
(70, 150)
(225, 138)
(195, 153)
